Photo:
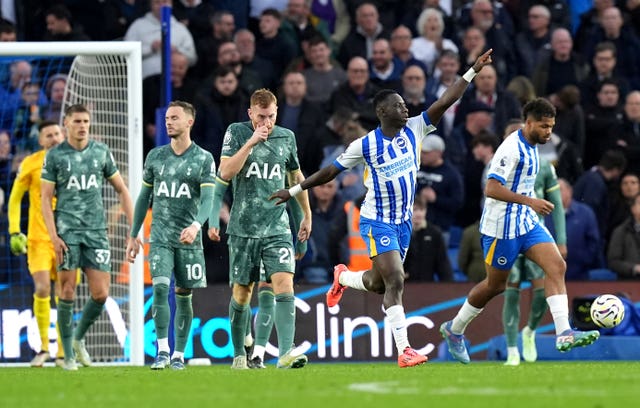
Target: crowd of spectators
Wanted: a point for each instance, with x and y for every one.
(326, 59)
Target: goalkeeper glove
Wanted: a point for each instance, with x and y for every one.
(18, 243)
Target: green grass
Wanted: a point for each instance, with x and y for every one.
(488, 384)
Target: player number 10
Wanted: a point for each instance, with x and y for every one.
(194, 272)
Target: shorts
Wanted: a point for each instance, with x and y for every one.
(93, 251)
(187, 265)
(382, 237)
(42, 257)
(524, 269)
(502, 253)
(248, 256)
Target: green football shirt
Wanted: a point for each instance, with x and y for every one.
(79, 177)
(176, 182)
(264, 172)
(546, 181)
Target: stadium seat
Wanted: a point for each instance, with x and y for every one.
(602, 275)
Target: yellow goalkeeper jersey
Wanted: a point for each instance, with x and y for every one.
(28, 179)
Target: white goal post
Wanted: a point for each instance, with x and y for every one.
(107, 77)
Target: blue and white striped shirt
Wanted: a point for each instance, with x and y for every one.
(515, 165)
(391, 166)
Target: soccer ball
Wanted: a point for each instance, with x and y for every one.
(607, 311)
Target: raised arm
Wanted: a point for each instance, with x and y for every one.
(321, 176)
(455, 91)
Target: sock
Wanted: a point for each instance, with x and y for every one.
(42, 313)
(538, 308)
(248, 338)
(160, 310)
(163, 344)
(511, 315)
(238, 315)
(265, 317)
(179, 355)
(398, 322)
(465, 315)
(65, 323)
(559, 308)
(353, 280)
(60, 353)
(182, 321)
(90, 313)
(258, 351)
(513, 351)
(285, 321)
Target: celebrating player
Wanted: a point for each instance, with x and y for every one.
(75, 170)
(180, 176)
(391, 154)
(510, 226)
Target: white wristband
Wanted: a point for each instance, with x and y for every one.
(469, 75)
(197, 224)
(295, 190)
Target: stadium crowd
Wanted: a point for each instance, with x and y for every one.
(326, 59)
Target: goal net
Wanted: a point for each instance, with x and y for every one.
(106, 78)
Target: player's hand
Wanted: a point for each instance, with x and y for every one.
(301, 249)
(484, 59)
(304, 232)
(189, 234)
(18, 243)
(214, 234)
(541, 206)
(60, 248)
(133, 248)
(282, 195)
(259, 135)
(563, 250)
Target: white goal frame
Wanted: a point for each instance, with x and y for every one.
(132, 53)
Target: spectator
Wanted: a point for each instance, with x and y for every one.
(603, 123)
(624, 251)
(7, 168)
(583, 237)
(357, 93)
(246, 44)
(592, 187)
(623, 199)
(604, 64)
(7, 32)
(359, 42)
(20, 72)
(334, 13)
(522, 88)
(196, 16)
(323, 77)
(298, 23)
(569, 118)
(470, 254)
(382, 69)
(219, 104)
(401, 48)
(59, 27)
(274, 46)
(589, 21)
(28, 116)
(148, 29)
(346, 245)
(54, 90)
(222, 26)
(427, 258)
(414, 90)
(228, 55)
(304, 117)
(439, 185)
(428, 46)
(532, 40)
(483, 147)
(630, 141)
(473, 45)
(445, 74)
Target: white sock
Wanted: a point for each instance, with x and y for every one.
(352, 280)
(178, 354)
(559, 308)
(248, 340)
(398, 323)
(513, 351)
(163, 345)
(465, 315)
(527, 331)
(258, 351)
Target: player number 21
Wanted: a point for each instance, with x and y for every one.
(286, 255)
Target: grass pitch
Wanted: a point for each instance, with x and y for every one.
(479, 384)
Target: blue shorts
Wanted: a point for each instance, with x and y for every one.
(502, 253)
(381, 237)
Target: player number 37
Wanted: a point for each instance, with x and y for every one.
(103, 256)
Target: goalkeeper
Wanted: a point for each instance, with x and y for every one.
(41, 257)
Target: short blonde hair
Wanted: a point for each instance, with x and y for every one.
(263, 98)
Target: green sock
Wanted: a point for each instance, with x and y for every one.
(90, 314)
(182, 322)
(264, 319)
(238, 315)
(538, 308)
(65, 325)
(285, 318)
(160, 310)
(511, 316)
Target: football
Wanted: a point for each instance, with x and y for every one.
(607, 311)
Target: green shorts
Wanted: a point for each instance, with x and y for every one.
(187, 265)
(525, 269)
(88, 250)
(247, 256)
